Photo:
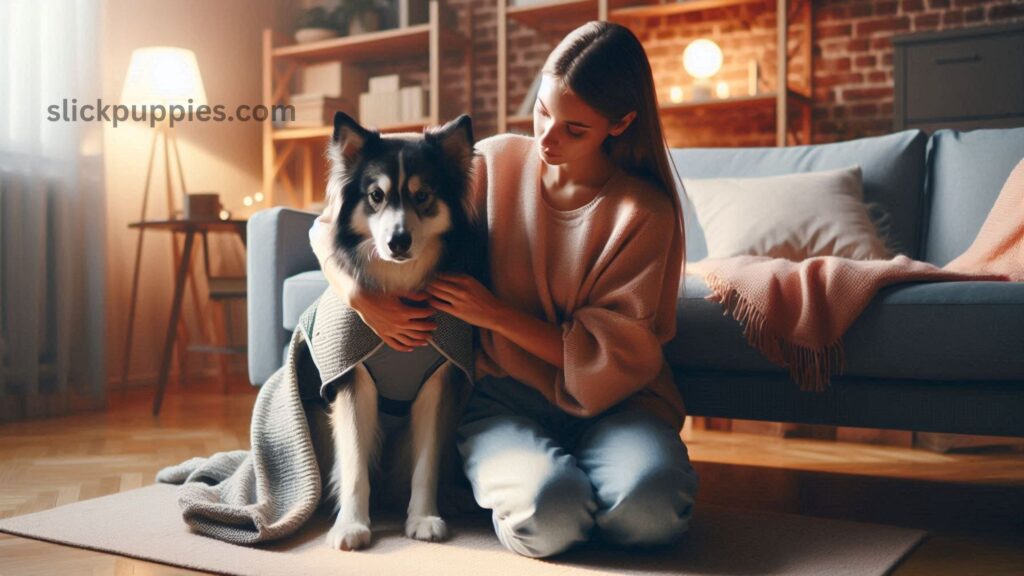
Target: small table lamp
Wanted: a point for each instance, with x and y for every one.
(702, 59)
(159, 76)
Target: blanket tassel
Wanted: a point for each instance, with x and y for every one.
(812, 369)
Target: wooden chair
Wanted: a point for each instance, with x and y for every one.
(221, 290)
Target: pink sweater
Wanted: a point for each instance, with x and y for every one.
(607, 272)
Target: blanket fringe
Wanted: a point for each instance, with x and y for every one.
(812, 369)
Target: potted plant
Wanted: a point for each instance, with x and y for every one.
(315, 24)
(360, 16)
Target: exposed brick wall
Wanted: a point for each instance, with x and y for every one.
(853, 55)
(852, 61)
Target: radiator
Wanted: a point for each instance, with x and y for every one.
(51, 328)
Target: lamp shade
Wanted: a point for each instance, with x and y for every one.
(163, 75)
(702, 58)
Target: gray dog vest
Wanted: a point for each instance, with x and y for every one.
(399, 376)
(337, 339)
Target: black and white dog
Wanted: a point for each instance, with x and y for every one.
(404, 214)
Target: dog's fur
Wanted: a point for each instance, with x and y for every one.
(405, 213)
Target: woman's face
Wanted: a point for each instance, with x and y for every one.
(566, 128)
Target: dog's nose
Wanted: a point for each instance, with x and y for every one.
(400, 242)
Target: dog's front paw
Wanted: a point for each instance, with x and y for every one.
(426, 528)
(349, 536)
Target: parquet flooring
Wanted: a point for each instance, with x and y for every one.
(973, 504)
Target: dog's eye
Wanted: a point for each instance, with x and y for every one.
(376, 195)
(421, 196)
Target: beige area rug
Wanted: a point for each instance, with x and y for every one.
(146, 524)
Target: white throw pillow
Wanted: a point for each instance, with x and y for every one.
(792, 216)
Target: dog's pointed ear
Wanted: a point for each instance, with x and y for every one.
(349, 138)
(456, 140)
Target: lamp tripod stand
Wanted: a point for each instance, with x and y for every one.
(164, 132)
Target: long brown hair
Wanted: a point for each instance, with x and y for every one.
(606, 66)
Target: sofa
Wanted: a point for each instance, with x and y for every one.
(932, 357)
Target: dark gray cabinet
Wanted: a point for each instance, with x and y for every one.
(966, 78)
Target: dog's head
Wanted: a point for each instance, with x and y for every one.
(404, 198)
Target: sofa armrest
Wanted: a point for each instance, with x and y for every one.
(278, 248)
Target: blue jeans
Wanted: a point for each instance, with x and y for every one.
(551, 479)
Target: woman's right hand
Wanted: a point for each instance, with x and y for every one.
(399, 325)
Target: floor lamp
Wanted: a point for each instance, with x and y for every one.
(159, 77)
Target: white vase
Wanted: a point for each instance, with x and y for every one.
(306, 35)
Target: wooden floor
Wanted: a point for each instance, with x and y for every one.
(973, 504)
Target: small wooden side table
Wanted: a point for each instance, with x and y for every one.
(189, 228)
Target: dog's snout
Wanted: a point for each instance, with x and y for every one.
(400, 242)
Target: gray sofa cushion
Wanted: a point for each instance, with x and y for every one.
(966, 171)
(278, 247)
(940, 331)
(300, 291)
(893, 168)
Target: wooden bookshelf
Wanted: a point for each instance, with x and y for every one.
(734, 103)
(372, 47)
(565, 14)
(290, 155)
(541, 14)
(547, 14)
(322, 132)
(655, 9)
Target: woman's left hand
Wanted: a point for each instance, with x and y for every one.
(465, 298)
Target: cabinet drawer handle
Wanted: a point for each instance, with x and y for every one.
(958, 60)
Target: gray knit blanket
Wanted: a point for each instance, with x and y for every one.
(268, 492)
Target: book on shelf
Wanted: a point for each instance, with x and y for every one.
(414, 103)
(333, 79)
(387, 102)
(378, 109)
(380, 84)
(314, 110)
(326, 87)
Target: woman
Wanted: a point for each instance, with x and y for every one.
(572, 429)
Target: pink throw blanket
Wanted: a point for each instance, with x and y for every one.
(795, 313)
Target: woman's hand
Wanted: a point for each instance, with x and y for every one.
(399, 325)
(466, 298)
